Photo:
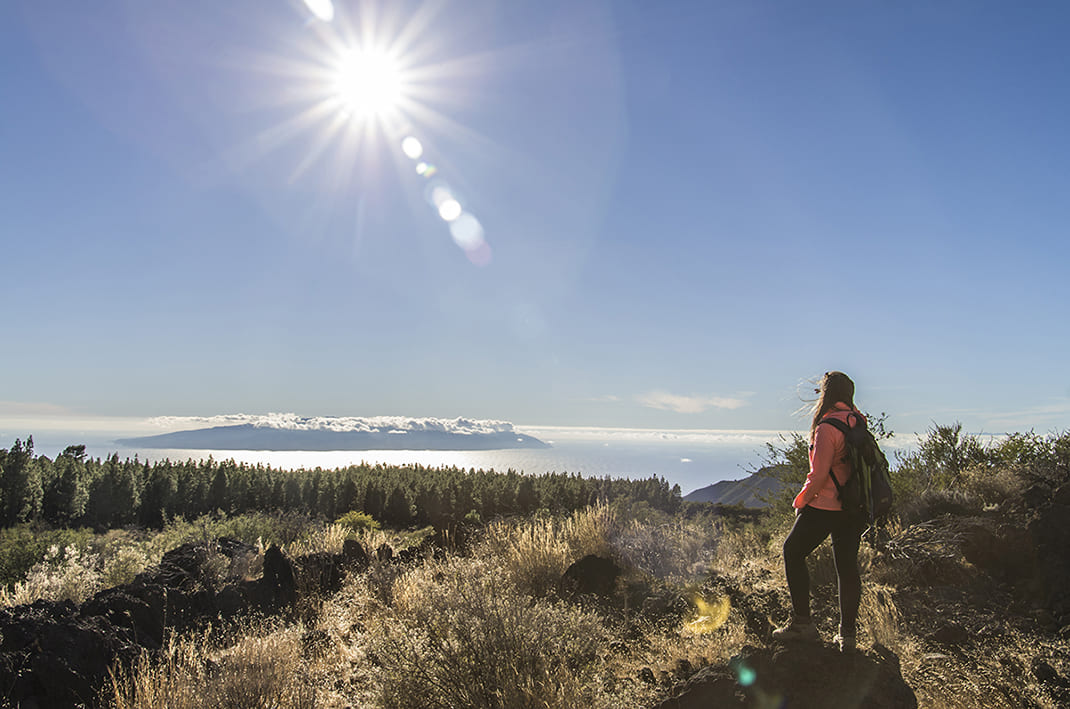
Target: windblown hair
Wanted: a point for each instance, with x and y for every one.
(835, 387)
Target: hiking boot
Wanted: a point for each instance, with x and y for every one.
(846, 643)
(796, 630)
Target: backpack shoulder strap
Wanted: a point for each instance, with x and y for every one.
(842, 428)
(840, 425)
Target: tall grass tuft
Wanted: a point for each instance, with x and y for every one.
(461, 634)
(261, 670)
(534, 553)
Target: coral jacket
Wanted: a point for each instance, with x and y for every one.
(827, 451)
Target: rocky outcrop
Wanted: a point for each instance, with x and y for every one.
(59, 655)
(797, 675)
(590, 576)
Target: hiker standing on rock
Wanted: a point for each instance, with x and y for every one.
(818, 513)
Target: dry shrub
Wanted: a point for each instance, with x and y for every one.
(321, 538)
(591, 530)
(676, 550)
(258, 671)
(69, 574)
(934, 503)
(751, 552)
(462, 635)
(124, 564)
(534, 553)
(994, 485)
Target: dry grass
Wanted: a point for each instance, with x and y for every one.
(534, 553)
(327, 538)
(483, 630)
(260, 670)
(461, 634)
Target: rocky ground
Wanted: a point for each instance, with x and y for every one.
(966, 608)
(59, 655)
(982, 608)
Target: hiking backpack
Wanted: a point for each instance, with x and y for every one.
(867, 494)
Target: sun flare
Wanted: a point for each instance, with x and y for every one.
(368, 82)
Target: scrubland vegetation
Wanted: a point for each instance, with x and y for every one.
(478, 614)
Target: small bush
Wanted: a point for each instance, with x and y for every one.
(320, 538)
(68, 574)
(357, 521)
(260, 670)
(934, 503)
(124, 564)
(24, 545)
(462, 635)
(670, 550)
(994, 485)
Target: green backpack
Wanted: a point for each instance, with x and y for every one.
(867, 494)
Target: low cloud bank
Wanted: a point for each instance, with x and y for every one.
(339, 424)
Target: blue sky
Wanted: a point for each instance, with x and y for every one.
(689, 208)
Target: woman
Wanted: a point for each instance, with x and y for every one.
(818, 514)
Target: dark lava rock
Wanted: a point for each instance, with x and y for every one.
(279, 587)
(1047, 674)
(951, 634)
(50, 656)
(591, 575)
(798, 675)
(58, 655)
(321, 571)
(355, 555)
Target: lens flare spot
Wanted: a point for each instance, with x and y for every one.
(413, 149)
(480, 255)
(440, 194)
(322, 9)
(449, 210)
(425, 169)
(708, 616)
(466, 231)
(746, 675)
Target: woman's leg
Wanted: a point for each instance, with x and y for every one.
(845, 540)
(810, 529)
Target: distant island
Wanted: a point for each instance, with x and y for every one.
(288, 432)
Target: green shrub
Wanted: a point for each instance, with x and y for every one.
(357, 521)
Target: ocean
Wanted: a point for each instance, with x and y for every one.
(690, 459)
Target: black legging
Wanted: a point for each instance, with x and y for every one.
(811, 528)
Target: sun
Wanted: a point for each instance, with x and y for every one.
(368, 82)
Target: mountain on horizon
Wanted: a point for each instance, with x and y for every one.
(751, 491)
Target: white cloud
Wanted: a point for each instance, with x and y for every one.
(688, 404)
(373, 424)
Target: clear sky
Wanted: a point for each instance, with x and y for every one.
(672, 212)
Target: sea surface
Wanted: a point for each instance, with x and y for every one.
(690, 459)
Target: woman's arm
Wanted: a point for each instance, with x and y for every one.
(821, 456)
